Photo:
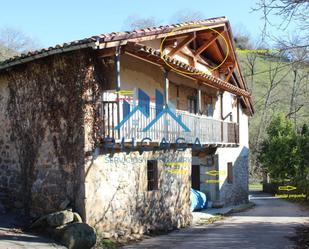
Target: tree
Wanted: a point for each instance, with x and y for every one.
(289, 11)
(136, 22)
(279, 153)
(187, 15)
(14, 42)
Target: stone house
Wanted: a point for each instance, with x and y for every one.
(119, 126)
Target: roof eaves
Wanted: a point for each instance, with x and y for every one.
(43, 53)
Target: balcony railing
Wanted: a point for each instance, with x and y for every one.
(206, 129)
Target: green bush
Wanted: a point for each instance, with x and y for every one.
(285, 154)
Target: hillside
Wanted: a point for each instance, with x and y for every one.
(277, 85)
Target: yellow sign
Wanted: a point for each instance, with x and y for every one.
(291, 196)
(176, 163)
(215, 173)
(125, 92)
(287, 188)
(212, 181)
(178, 171)
(177, 167)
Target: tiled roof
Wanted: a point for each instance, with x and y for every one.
(147, 52)
(95, 41)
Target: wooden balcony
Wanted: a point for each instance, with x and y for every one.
(206, 129)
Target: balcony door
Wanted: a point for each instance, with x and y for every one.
(192, 105)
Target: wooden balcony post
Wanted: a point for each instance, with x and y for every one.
(118, 83)
(221, 115)
(166, 89)
(117, 68)
(199, 100)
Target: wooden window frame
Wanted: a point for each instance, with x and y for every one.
(230, 176)
(192, 99)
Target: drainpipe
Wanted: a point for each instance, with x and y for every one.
(221, 106)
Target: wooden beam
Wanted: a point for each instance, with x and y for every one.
(192, 61)
(230, 73)
(182, 44)
(207, 44)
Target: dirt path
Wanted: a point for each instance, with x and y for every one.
(13, 238)
(266, 226)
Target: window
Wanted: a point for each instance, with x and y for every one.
(152, 175)
(192, 105)
(209, 110)
(229, 173)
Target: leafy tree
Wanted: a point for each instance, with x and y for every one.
(280, 154)
(285, 153)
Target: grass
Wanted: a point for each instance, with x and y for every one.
(211, 220)
(105, 243)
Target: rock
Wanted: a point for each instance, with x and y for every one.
(40, 222)
(59, 218)
(65, 204)
(54, 219)
(77, 236)
(77, 218)
(106, 235)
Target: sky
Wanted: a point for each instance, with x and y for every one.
(55, 21)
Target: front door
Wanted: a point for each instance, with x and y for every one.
(195, 177)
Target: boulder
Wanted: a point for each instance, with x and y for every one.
(77, 218)
(65, 204)
(54, 219)
(77, 236)
(59, 218)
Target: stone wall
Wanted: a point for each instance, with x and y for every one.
(42, 135)
(117, 200)
(236, 192)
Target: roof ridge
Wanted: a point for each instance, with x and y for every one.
(93, 40)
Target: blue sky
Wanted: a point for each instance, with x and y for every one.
(55, 21)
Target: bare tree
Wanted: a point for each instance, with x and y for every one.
(300, 82)
(187, 15)
(14, 42)
(136, 22)
(296, 11)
